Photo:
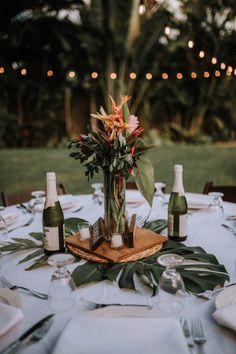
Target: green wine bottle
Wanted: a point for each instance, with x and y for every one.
(177, 208)
(53, 219)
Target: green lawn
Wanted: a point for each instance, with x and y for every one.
(25, 168)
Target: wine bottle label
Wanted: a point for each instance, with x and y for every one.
(177, 225)
(51, 238)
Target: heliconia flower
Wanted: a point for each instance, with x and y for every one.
(81, 137)
(131, 171)
(133, 123)
(137, 132)
(132, 150)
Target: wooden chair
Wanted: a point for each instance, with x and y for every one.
(24, 196)
(229, 191)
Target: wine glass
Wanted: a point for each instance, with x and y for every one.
(61, 285)
(215, 208)
(171, 295)
(4, 237)
(38, 201)
(98, 193)
(159, 192)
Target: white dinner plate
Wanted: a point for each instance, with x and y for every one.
(67, 201)
(9, 218)
(226, 297)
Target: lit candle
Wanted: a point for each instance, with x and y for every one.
(84, 231)
(116, 241)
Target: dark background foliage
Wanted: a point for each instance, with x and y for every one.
(111, 36)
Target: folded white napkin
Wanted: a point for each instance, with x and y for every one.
(9, 317)
(67, 201)
(9, 217)
(226, 316)
(103, 335)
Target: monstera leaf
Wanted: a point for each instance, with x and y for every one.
(201, 272)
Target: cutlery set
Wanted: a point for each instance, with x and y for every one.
(32, 335)
(195, 335)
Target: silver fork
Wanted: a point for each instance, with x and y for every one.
(197, 331)
(6, 284)
(24, 225)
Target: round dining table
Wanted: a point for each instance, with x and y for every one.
(202, 231)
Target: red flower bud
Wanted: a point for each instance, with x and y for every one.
(131, 171)
(132, 150)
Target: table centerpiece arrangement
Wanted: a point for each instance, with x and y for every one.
(118, 150)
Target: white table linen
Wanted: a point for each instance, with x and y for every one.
(211, 236)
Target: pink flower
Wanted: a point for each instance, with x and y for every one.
(133, 123)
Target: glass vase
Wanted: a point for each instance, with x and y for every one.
(114, 204)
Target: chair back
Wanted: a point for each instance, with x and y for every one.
(229, 191)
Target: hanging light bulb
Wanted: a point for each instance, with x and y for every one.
(214, 60)
(217, 73)
(222, 66)
(164, 76)
(193, 75)
(50, 73)
(190, 43)
(71, 74)
(94, 75)
(179, 76)
(2, 70)
(201, 54)
(206, 74)
(113, 76)
(23, 71)
(148, 76)
(132, 76)
(142, 8)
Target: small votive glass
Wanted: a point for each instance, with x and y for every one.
(116, 240)
(84, 231)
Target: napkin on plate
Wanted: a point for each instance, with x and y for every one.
(9, 217)
(126, 335)
(10, 309)
(226, 316)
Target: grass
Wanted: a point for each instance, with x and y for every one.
(25, 168)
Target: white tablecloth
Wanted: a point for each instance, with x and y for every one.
(211, 236)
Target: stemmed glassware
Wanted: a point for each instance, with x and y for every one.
(61, 285)
(98, 193)
(171, 296)
(215, 209)
(4, 237)
(38, 202)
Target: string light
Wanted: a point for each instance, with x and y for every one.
(94, 75)
(164, 76)
(193, 75)
(50, 73)
(149, 76)
(2, 70)
(141, 9)
(217, 73)
(23, 71)
(190, 43)
(230, 68)
(132, 76)
(201, 54)
(234, 71)
(206, 74)
(228, 72)
(222, 66)
(113, 76)
(71, 74)
(179, 76)
(167, 30)
(214, 60)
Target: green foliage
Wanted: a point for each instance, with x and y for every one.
(199, 277)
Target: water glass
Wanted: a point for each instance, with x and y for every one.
(62, 286)
(98, 193)
(38, 204)
(215, 209)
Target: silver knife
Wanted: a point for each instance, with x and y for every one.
(34, 334)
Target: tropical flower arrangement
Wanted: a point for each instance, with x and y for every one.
(118, 150)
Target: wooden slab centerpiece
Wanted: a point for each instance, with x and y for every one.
(145, 243)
